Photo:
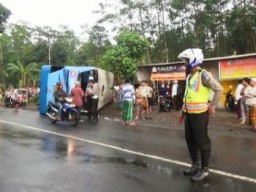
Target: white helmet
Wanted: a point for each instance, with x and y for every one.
(195, 57)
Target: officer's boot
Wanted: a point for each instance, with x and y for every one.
(203, 172)
(193, 170)
(194, 154)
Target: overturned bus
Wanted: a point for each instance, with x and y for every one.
(68, 76)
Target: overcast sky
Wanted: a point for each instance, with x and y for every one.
(53, 13)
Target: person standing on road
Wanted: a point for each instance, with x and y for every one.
(77, 95)
(162, 89)
(196, 110)
(128, 97)
(244, 107)
(238, 98)
(93, 94)
(149, 97)
(117, 95)
(14, 96)
(174, 94)
(250, 101)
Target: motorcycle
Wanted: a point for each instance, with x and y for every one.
(8, 101)
(69, 112)
(230, 103)
(165, 103)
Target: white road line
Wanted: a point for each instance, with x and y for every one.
(223, 173)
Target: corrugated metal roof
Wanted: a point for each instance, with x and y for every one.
(207, 59)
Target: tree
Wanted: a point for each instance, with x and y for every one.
(21, 72)
(91, 51)
(123, 58)
(64, 49)
(4, 15)
(44, 36)
(20, 47)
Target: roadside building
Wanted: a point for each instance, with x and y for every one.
(228, 70)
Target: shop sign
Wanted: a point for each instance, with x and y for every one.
(168, 72)
(237, 68)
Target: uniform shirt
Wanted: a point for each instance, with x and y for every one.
(93, 89)
(96, 89)
(209, 81)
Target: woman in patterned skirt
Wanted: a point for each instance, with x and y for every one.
(250, 101)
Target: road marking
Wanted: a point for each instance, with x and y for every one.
(223, 173)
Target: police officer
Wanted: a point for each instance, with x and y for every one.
(93, 94)
(196, 110)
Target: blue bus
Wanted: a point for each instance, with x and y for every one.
(68, 76)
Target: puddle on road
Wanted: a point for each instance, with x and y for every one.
(66, 148)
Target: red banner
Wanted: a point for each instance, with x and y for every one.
(238, 68)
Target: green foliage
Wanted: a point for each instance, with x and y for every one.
(90, 52)
(21, 73)
(63, 50)
(34, 100)
(39, 52)
(20, 44)
(4, 15)
(122, 59)
(133, 43)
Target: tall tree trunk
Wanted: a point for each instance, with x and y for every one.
(2, 63)
(142, 29)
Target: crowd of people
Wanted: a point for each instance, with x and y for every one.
(82, 99)
(143, 96)
(245, 96)
(13, 96)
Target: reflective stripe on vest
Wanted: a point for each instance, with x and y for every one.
(197, 95)
(196, 107)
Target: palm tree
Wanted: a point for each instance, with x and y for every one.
(22, 71)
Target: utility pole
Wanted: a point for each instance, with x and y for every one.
(49, 48)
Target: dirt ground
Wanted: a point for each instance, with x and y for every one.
(223, 122)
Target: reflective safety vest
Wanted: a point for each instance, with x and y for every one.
(196, 96)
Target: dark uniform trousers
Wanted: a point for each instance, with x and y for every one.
(92, 105)
(197, 139)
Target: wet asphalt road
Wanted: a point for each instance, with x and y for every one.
(105, 156)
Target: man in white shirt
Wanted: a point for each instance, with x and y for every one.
(238, 97)
(14, 97)
(92, 94)
(174, 94)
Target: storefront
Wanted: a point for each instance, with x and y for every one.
(231, 70)
(228, 70)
